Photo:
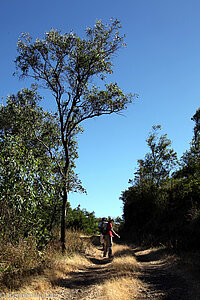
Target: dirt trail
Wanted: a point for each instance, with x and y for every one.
(85, 283)
(160, 279)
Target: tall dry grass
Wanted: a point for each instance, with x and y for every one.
(19, 263)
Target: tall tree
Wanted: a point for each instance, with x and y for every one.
(67, 65)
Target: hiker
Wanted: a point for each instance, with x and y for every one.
(102, 229)
(108, 238)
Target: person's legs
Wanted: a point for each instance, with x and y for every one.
(103, 244)
(101, 239)
(106, 245)
(110, 247)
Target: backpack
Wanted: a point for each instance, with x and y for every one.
(103, 228)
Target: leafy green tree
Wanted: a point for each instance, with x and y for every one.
(196, 119)
(163, 206)
(81, 219)
(30, 181)
(188, 180)
(190, 166)
(159, 162)
(67, 65)
(145, 201)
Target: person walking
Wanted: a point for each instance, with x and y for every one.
(108, 238)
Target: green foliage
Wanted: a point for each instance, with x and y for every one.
(29, 186)
(159, 162)
(163, 206)
(190, 162)
(82, 220)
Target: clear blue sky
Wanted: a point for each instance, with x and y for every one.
(161, 63)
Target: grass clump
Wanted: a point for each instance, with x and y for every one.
(124, 288)
(125, 265)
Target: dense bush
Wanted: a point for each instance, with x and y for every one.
(163, 206)
(82, 220)
(29, 185)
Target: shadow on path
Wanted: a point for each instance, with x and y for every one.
(100, 261)
(153, 255)
(160, 276)
(125, 252)
(86, 278)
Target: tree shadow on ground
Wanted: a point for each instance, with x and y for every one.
(87, 278)
(100, 261)
(124, 252)
(153, 255)
(168, 285)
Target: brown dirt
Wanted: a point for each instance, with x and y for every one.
(161, 276)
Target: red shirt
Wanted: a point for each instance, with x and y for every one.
(109, 229)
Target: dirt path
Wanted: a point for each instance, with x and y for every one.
(160, 275)
(85, 283)
(158, 278)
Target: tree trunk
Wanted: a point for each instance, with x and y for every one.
(63, 220)
(65, 190)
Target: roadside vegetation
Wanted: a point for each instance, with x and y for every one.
(161, 208)
(162, 205)
(22, 261)
(116, 279)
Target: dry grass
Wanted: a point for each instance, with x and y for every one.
(125, 265)
(120, 281)
(45, 283)
(19, 264)
(117, 248)
(123, 284)
(122, 288)
(64, 265)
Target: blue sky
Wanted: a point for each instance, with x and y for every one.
(161, 63)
